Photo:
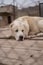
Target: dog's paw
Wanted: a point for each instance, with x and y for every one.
(31, 36)
(39, 35)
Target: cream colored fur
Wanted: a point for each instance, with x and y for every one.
(29, 24)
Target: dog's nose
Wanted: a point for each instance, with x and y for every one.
(21, 38)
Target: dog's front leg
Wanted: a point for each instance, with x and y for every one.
(39, 35)
(35, 35)
(31, 36)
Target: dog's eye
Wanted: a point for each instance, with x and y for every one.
(22, 30)
(16, 30)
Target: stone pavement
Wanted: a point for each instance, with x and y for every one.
(27, 52)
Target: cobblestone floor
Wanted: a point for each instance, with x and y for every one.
(27, 52)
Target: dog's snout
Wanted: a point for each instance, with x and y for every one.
(21, 38)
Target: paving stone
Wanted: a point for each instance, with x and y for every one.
(6, 50)
(2, 54)
(35, 64)
(1, 59)
(40, 44)
(19, 63)
(29, 61)
(28, 43)
(35, 53)
(6, 44)
(40, 60)
(34, 47)
(12, 55)
(13, 43)
(27, 52)
(6, 61)
(20, 52)
(20, 46)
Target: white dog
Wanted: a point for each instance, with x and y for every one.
(26, 25)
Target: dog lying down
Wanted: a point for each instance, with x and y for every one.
(26, 25)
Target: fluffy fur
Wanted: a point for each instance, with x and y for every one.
(26, 25)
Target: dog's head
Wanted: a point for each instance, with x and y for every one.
(19, 29)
